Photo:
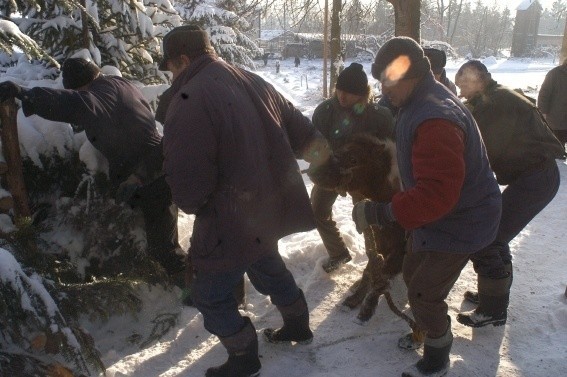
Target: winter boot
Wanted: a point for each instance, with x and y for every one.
(472, 297)
(435, 361)
(296, 324)
(494, 295)
(242, 349)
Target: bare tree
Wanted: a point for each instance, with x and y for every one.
(335, 43)
(559, 9)
(407, 18)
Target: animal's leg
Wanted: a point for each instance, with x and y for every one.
(360, 288)
(374, 270)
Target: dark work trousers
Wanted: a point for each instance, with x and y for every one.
(322, 201)
(429, 276)
(212, 292)
(160, 218)
(522, 200)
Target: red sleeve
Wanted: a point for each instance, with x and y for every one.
(439, 172)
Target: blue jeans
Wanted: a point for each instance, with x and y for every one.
(522, 200)
(213, 292)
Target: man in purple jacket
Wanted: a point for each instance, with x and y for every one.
(230, 146)
(119, 123)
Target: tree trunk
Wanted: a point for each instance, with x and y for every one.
(11, 151)
(407, 18)
(85, 27)
(336, 58)
(325, 50)
(563, 54)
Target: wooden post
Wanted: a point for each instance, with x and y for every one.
(11, 151)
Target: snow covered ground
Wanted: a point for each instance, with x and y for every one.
(533, 342)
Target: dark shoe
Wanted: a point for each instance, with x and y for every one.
(435, 361)
(333, 263)
(243, 360)
(476, 319)
(471, 297)
(289, 334)
(237, 366)
(296, 324)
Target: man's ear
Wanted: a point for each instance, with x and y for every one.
(185, 59)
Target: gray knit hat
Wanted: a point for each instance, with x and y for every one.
(353, 80)
(407, 56)
(188, 40)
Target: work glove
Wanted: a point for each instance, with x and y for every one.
(9, 90)
(366, 213)
(127, 189)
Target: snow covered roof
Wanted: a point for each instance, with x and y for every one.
(524, 5)
(268, 35)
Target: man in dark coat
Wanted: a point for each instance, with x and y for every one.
(450, 201)
(347, 113)
(522, 151)
(438, 60)
(230, 145)
(119, 123)
(552, 101)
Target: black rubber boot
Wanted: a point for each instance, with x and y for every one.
(494, 296)
(435, 360)
(242, 350)
(296, 324)
(472, 296)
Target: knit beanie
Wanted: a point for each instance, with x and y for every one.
(188, 40)
(437, 59)
(400, 58)
(78, 72)
(353, 80)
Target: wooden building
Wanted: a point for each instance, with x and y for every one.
(524, 38)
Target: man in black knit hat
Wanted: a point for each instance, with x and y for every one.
(119, 123)
(348, 112)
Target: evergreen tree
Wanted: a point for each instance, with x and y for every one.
(121, 33)
(225, 27)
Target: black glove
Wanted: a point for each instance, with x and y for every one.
(9, 90)
(366, 213)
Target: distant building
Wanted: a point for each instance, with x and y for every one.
(549, 40)
(274, 41)
(524, 38)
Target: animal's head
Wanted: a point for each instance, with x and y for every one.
(364, 165)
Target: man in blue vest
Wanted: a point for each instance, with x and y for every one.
(450, 201)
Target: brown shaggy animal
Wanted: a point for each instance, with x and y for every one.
(366, 168)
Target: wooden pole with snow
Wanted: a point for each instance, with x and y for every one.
(11, 152)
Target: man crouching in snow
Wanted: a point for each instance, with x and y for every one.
(230, 145)
(450, 201)
(119, 123)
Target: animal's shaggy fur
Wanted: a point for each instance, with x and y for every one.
(366, 168)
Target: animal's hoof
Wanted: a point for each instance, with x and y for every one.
(360, 322)
(365, 315)
(352, 302)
